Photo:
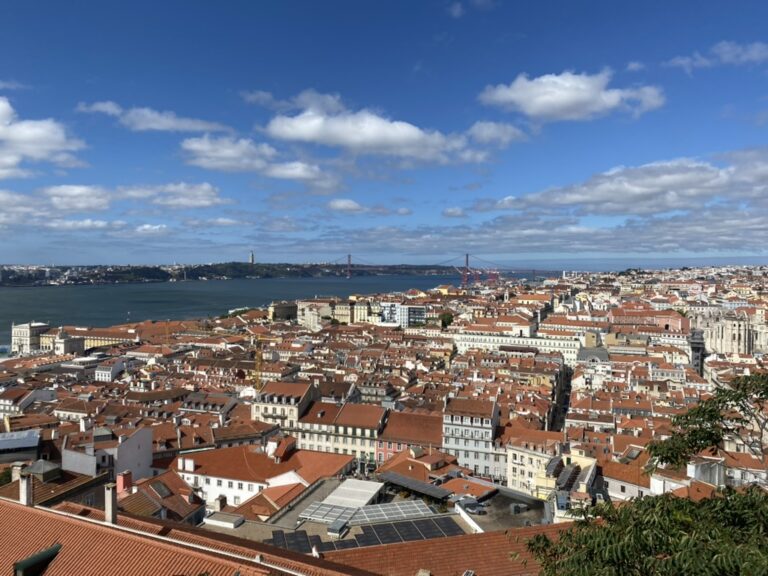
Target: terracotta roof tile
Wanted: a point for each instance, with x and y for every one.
(486, 554)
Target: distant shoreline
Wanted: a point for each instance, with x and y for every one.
(175, 281)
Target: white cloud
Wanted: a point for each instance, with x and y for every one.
(294, 171)
(77, 198)
(106, 107)
(181, 195)
(497, 133)
(654, 189)
(12, 85)
(326, 122)
(455, 10)
(648, 189)
(151, 229)
(330, 103)
(32, 141)
(635, 66)
(739, 54)
(723, 53)
(349, 206)
(264, 99)
(215, 222)
(147, 119)
(570, 96)
(345, 205)
(85, 224)
(454, 212)
(228, 154)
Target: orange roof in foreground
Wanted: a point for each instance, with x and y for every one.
(486, 554)
(90, 549)
(103, 549)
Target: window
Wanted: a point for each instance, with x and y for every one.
(218, 483)
(239, 485)
(230, 484)
(237, 500)
(250, 487)
(207, 481)
(623, 489)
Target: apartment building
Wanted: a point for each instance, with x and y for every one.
(283, 403)
(468, 432)
(351, 429)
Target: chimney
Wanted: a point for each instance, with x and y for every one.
(124, 481)
(110, 503)
(16, 469)
(25, 490)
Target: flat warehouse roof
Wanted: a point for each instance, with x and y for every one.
(18, 440)
(354, 493)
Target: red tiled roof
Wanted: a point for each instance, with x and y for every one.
(414, 428)
(486, 554)
(360, 415)
(90, 549)
(247, 464)
(470, 407)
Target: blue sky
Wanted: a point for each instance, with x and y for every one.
(398, 131)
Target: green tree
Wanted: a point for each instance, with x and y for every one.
(5, 476)
(664, 535)
(738, 411)
(446, 319)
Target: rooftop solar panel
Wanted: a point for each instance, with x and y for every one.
(367, 540)
(387, 534)
(278, 537)
(416, 486)
(428, 528)
(448, 526)
(345, 544)
(391, 512)
(408, 531)
(315, 540)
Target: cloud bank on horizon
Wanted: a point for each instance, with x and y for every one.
(415, 135)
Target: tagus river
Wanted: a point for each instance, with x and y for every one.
(104, 305)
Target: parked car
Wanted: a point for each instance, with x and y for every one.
(477, 509)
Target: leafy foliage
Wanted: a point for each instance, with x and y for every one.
(446, 319)
(738, 411)
(5, 476)
(664, 535)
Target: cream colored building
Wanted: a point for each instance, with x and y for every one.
(352, 429)
(282, 404)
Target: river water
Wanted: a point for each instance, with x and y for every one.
(108, 304)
